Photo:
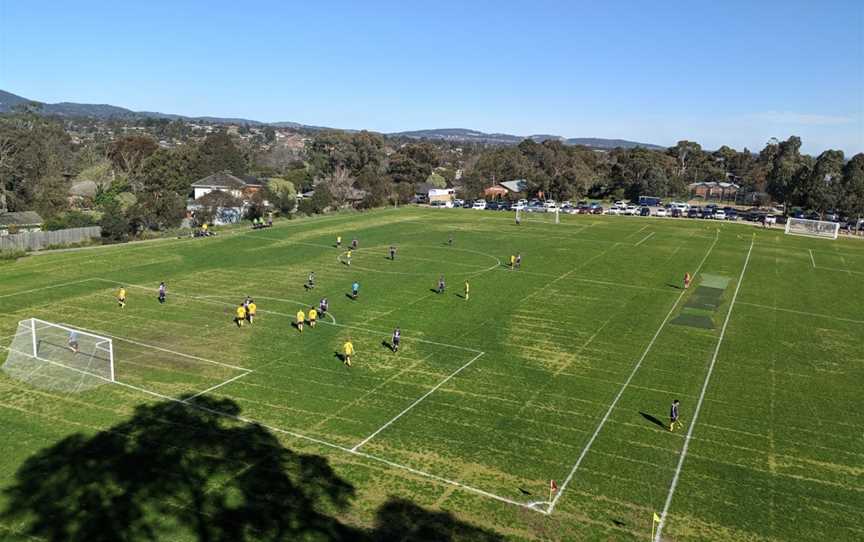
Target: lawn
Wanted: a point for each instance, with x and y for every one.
(561, 370)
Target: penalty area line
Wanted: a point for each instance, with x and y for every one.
(217, 386)
(649, 236)
(624, 386)
(692, 423)
(415, 403)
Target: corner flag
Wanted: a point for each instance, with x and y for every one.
(654, 524)
(553, 487)
(656, 518)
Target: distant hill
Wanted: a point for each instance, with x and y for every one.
(473, 136)
(9, 101)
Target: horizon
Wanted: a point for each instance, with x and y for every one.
(782, 71)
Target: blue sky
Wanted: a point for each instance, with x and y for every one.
(734, 73)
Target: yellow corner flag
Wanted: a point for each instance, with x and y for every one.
(654, 524)
(656, 518)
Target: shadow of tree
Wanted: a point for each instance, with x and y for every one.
(179, 472)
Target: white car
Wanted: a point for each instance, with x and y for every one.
(458, 202)
(520, 205)
(631, 210)
(614, 210)
(661, 212)
(720, 214)
(479, 204)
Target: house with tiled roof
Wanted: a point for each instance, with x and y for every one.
(17, 222)
(226, 182)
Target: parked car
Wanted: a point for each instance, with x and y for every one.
(614, 210)
(694, 212)
(468, 204)
(631, 210)
(437, 204)
(675, 212)
(479, 204)
(519, 206)
(645, 211)
(597, 209)
(458, 202)
(505, 206)
(661, 212)
(492, 206)
(535, 208)
(719, 214)
(731, 213)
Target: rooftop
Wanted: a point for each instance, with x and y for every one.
(23, 218)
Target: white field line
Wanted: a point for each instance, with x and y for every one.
(649, 236)
(154, 347)
(626, 384)
(812, 259)
(46, 288)
(841, 270)
(692, 422)
(217, 386)
(314, 440)
(803, 313)
(415, 403)
(637, 232)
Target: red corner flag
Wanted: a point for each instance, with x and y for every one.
(553, 487)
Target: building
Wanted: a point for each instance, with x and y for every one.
(496, 191)
(223, 181)
(516, 188)
(441, 194)
(723, 191)
(24, 221)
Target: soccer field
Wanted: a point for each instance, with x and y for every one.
(561, 370)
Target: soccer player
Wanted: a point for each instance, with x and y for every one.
(392, 253)
(301, 319)
(397, 337)
(354, 243)
(313, 316)
(450, 240)
(323, 306)
(251, 309)
(338, 241)
(72, 341)
(441, 284)
(347, 352)
(310, 280)
(348, 258)
(240, 314)
(121, 297)
(512, 262)
(687, 279)
(162, 292)
(673, 415)
(467, 290)
(355, 289)
(519, 260)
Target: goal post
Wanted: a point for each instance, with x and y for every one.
(812, 228)
(59, 357)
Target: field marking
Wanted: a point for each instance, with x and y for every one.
(812, 259)
(314, 440)
(803, 313)
(415, 403)
(46, 288)
(692, 423)
(649, 236)
(640, 230)
(626, 384)
(217, 386)
(154, 347)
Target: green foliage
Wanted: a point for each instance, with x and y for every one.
(69, 219)
(7, 256)
(115, 225)
(157, 210)
(216, 153)
(129, 153)
(321, 199)
(281, 194)
(852, 201)
(436, 181)
(168, 169)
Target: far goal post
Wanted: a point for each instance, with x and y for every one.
(59, 357)
(812, 228)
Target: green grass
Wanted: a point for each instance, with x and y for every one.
(526, 370)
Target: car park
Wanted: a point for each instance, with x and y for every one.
(492, 206)
(675, 212)
(520, 205)
(468, 204)
(694, 212)
(661, 212)
(719, 214)
(480, 204)
(458, 202)
(535, 208)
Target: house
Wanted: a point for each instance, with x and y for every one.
(226, 182)
(714, 190)
(496, 191)
(441, 194)
(516, 187)
(24, 221)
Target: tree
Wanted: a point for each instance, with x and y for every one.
(852, 202)
(785, 168)
(321, 199)
(128, 154)
(819, 187)
(219, 153)
(436, 181)
(115, 226)
(157, 210)
(172, 170)
(282, 194)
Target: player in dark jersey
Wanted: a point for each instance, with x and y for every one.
(441, 284)
(163, 290)
(673, 415)
(397, 337)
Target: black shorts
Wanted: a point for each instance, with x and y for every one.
(396, 341)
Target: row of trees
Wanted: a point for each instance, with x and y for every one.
(144, 186)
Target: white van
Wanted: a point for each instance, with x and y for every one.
(479, 204)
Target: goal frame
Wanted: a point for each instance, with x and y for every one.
(804, 221)
(99, 342)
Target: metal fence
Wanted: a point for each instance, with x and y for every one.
(38, 240)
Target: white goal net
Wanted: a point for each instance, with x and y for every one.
(812, 228)
(58, 357)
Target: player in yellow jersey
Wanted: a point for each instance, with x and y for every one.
(467, 290)
(347, 352)
(121, 297)
(338, 241)
(251, 310)
(240, 315)
(313, 316)
(512, 262)
(301, 319)
(348, 257)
